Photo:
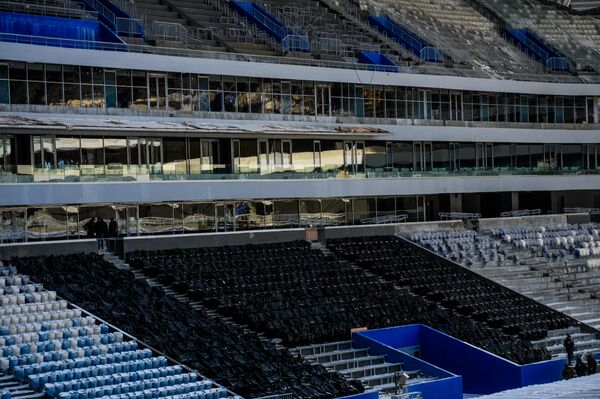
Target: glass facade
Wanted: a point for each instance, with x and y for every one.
(67, 222)
(87, 158)
(75, 86)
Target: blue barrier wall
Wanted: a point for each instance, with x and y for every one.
(446, 386)
(56, 27)
(379, 61)
(482, 372)
(366, 395)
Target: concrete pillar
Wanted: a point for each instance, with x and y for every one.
(456, 202)
(515, 200)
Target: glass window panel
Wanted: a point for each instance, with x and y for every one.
(536, 152)
(17, 71)
(375, 155)
(572, 156)
(98, 75)
(332, 155)
(174, 152)
(18, 92)
(502, 156)
(138, 79)
(87, 96)
(86, 75)
(364, 209)
(3, 71)
(92, 151)
(123, 77)
(468, 156)
(402, 156)
(124, 96)
(35, 72)
(4, 92)
(46, 223)
(441, 156)
(67, 152)
(248, 156)
(156, 219)
(72, 95)
(37, 93)
(198, 217)
(98, 96)
(115, 151)
(54, 73)
(522, 156)
(216, 101)
(285, 213)
(71, 74)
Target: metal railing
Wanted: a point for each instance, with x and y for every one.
(521, 212)
(591, 211)
(129, 26)
(295, 43)
(103, 10)
(458, 215)
(54, 11)
(268, 22)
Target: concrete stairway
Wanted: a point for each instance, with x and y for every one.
(357, 364)
(584, 342)
(18, 390)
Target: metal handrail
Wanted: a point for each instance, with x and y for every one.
(103, 10)
(70, 12)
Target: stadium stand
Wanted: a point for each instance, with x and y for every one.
(232, 355)
(51, 349)
(203, 25)
(546, 263)
(556, 265)
(574, 35)
(458, 30)
(506, 323)
(266, 284)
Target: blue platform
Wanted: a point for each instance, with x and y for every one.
(418, 46)
(44, 27)
(482, 372)
(379, 61)
(539, 49)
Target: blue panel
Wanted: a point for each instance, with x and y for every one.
(55, 27)
(482, 372)
(366, 395)
(542, 372)
(380, 61)
(446, 386)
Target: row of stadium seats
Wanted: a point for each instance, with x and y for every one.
(232, 355)
(553, 264)
(305, 296)
(66, 354)
(512, 319)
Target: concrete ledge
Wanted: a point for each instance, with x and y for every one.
(45, 248)
(163, 242)
(537, 220)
